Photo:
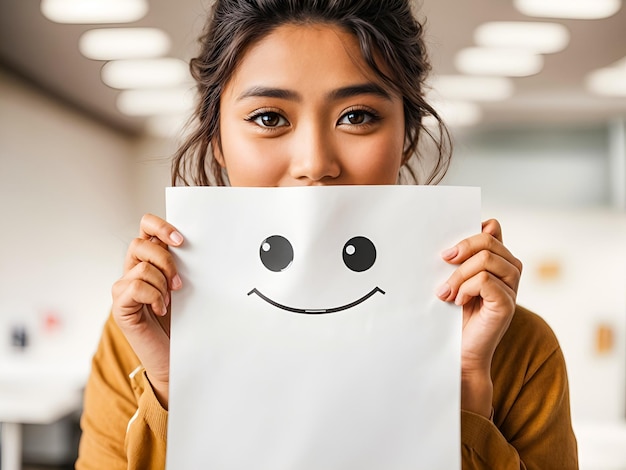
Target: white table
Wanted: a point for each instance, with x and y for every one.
(34, 390)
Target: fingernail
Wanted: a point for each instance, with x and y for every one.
(159, 309)
(167, 299)
(443, 291)
(450, 253)
(176, 237)
(176, 282)
(459, 299)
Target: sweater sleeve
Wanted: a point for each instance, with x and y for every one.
(123, 425)
(531, 428)
(484, 447)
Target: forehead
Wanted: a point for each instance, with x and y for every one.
(305, 56)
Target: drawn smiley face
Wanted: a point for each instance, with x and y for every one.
(277, 255)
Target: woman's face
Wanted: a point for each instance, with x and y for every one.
(303, 108)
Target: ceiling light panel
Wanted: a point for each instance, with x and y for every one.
(472, 88)
(94, 11)
(167, 126)
(538, 37)
(573, 9)
(455, 113)
(498, 61)
(608, 81)
(124, 43)
(155, 102)
(145, 73)
(620, 63)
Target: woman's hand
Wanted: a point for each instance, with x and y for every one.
(485, 284)
(141, 299)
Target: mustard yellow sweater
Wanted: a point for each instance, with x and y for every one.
(125, 427)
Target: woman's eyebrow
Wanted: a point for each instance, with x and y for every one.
(338, 94)
(268, 92)
(359, 89)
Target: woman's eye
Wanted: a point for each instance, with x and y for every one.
(269, 119)
(357, 118)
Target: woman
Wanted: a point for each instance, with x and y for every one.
(317, 92)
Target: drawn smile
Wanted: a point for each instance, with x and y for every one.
(317, 311)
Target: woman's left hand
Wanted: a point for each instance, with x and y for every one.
(485, 284)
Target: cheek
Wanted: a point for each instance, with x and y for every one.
(376, 160)
(250, 162)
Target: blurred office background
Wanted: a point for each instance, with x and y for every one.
(539, 121)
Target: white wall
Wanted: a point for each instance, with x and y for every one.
(542, 167)
(67, 200)
(588, 247)
(153, 163)
(551, 190)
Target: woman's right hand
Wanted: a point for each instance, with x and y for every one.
(141, 299)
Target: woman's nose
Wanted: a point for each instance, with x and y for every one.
(314, 158)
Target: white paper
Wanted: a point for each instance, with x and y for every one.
(311, 364)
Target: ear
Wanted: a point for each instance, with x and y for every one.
(216, 151)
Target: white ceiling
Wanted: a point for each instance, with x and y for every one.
(47, 55)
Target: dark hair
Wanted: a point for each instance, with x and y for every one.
(385, 29)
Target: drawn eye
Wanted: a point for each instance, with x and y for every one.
(276, 253)
(359, 254)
